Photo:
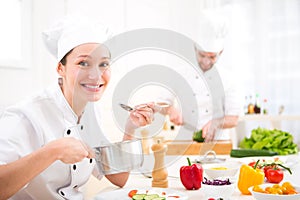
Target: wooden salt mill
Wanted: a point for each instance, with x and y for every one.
(159, 173)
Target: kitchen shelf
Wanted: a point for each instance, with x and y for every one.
(275, 120)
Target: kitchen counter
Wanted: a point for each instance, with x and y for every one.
(173, 164)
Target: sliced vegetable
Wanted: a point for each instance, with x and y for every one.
(138, 196)
(151, 196)
(131, 193)
(216, 182)
(174, 196)
(285, 189)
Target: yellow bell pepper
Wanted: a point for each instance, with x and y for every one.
(248, 177)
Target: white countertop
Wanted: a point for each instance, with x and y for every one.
(173, 164)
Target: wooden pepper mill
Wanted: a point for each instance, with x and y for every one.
(145, 141)
(159, 173)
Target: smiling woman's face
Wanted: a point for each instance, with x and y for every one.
(85, 74)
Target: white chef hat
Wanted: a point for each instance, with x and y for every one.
(72, 31)
(211, 31)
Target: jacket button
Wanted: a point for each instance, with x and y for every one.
(81, 127)
(75, 186)
(91, 160)
(74, 167)
(62, 193)
(68, 131)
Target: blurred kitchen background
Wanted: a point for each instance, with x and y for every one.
(262, 47)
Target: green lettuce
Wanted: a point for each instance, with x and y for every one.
(273, 140)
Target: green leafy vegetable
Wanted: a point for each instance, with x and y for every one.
(272, 140)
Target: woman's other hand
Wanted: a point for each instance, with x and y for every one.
(70, 150)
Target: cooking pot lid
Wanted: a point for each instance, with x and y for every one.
(209, 157)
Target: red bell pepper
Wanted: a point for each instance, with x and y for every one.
(191, 176)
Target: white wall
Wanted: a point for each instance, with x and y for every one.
(242, 54)
(21, 81)
(118, 14)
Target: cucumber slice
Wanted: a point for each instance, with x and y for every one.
(159, 198)
(150, 196)
(138, 196)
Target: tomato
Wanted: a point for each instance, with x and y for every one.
(131, 193)
(274, 175)
(266, 168)
(251, 164)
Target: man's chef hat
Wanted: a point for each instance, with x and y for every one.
(212, 31)
(73, 31)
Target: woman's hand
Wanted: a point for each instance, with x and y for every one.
(70, 150)
(143, 114)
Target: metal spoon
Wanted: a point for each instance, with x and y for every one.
(126, 107)
(159, 104)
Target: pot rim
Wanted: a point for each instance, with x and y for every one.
(118, 143)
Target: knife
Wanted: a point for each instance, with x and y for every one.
(189, 126)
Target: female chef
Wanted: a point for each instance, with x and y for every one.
(42, 154)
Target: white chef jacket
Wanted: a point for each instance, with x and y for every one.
(229, 104)
(33, 123)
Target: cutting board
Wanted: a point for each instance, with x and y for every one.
(187, 147)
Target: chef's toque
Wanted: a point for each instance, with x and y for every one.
(72, 31)
(211, 31)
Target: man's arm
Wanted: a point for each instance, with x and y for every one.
(229, 121)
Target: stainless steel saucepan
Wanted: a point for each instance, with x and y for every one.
(119, 157)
